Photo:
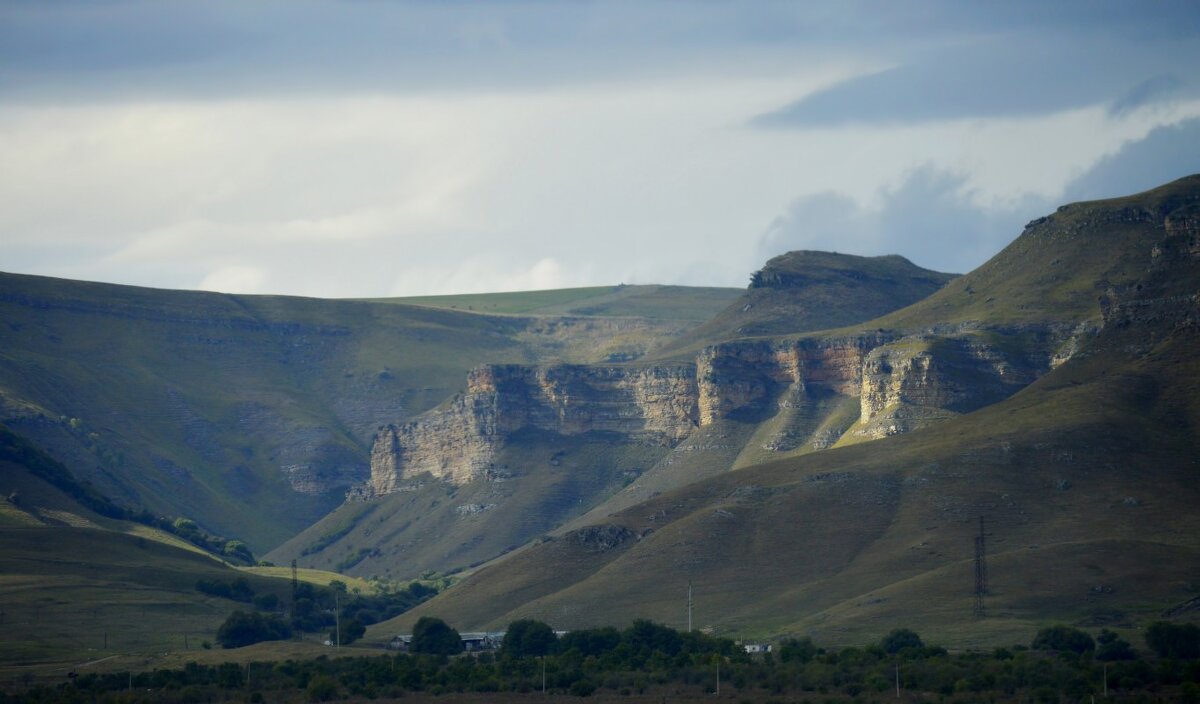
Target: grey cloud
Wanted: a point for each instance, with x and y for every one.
(1001, 76)
(932, 219)
(69, 51)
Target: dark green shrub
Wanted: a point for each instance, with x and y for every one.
(1169, 640)
(435, 637)
(1063, 639)
(245, 628)
(527, 637)
(900, 639)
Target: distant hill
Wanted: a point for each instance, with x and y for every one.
(806, 290)
(1085, 479)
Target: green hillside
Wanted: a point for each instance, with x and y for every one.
(253, 414)
(1085, 479)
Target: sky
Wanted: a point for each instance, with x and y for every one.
(367, 148)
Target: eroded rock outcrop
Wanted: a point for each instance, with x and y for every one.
(458, 443)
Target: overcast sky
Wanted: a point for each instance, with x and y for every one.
(371, 148)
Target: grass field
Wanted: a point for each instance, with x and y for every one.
(79, 594)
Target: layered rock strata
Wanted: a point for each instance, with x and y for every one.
(901, 383)
(459, 443)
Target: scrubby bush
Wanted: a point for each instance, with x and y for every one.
(1169, 640)
(1063, 639)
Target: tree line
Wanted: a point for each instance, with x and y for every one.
(1061, 664)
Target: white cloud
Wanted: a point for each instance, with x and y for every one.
(637, 181)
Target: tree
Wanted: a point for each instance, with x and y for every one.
(799, 650)
(652, 637)
(1063, 639)
(434, 636)
(245, 628)
(529, 637)
(352, 630)
(1111, 646)
(1168, 640)
(899, 639)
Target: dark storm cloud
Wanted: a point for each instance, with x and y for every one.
(996, 78)
(117, 48)
(931, 217)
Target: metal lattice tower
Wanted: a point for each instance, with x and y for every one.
(980, 570)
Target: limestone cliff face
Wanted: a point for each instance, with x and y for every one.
(459, 443)
(744, 376)
(900, 382)
(921, 379)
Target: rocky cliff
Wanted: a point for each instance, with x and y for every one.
(901, 382)
(655, 404)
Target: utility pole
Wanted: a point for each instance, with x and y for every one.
(718, 675)
(295, 594)
(897, 680)
(1106, 680)
(980, 570)
(337, 620)
(689, 606)
(543, 674)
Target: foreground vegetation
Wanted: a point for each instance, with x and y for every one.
(1061, 665)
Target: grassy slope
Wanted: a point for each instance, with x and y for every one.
(193, 403)
(63, 589)
(431, 526)
(77, 587)
(849, 543)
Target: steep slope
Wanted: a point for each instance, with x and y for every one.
(1086, 480)
(806, 290)
(250, 414)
